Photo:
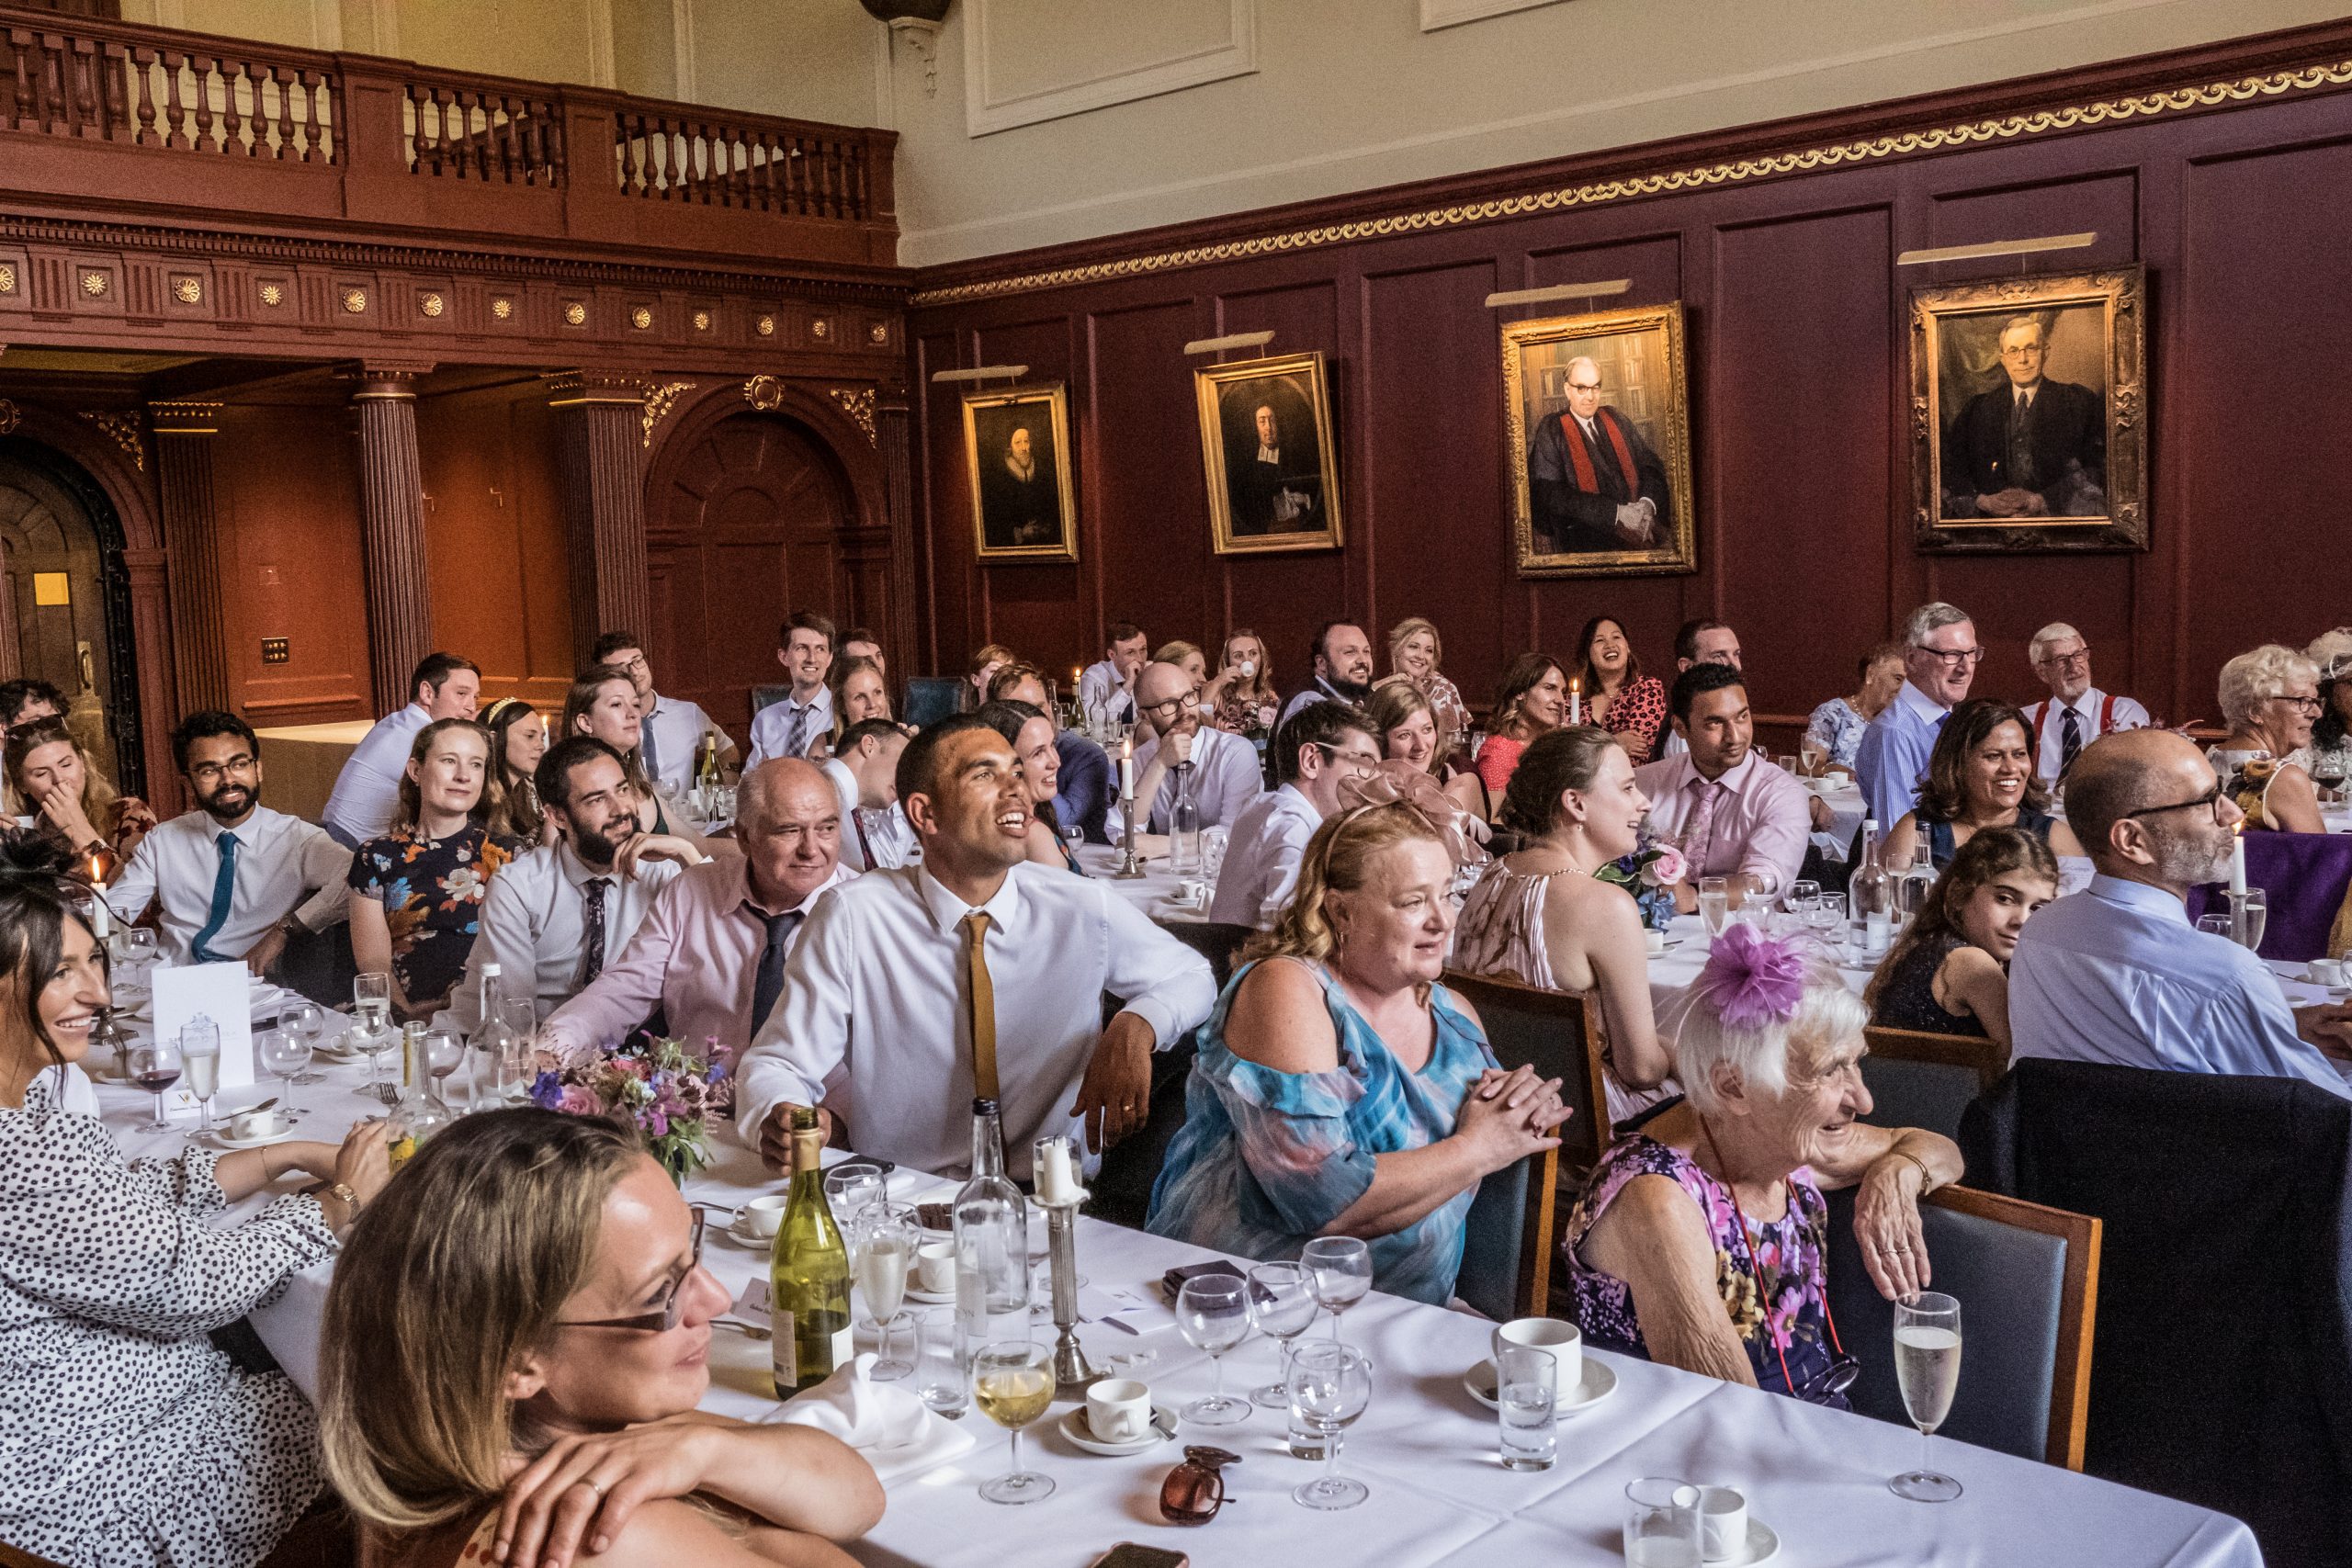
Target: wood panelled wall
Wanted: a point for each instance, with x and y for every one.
(1798, 323)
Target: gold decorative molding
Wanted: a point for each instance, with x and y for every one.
(575, 314)
(188, 290)
(821, 329)
(123, 430)
(2025, 123)
(641, 318)
(10, 416)
(858, 403)
(702, 320)
(272, 295)
(879, 332)
(184, 416)
(502, 308)
(430, 303)
(659, 400)
(94, 284)
(354, 300)
(765, 393)
(764, 326)
(7, 279)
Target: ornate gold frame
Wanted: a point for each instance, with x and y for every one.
(1681, 554)
(2122, 293)
(1055, 396)
(1207, 387)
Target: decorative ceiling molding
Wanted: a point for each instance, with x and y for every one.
(123, 430)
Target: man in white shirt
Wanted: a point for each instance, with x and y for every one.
(1323, 744)
(1732, 812)
(231, 878)
(864, 771)
(556, 915)
(859, 643)
(2075, 713)
(1341, 663)
(1700, 641)
(1226, 774)
(973, 974)
(785, 729)
(367, 791)
(669, 729)
(1108, 687)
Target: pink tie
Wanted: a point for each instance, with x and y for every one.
(1701, 824)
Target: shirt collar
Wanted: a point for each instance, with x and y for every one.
(738, 878)
(1919, 704)
(578, 872)
(248, 832)
(1734, 778)
(2139, 897)
(947, 908)
(2087, 705)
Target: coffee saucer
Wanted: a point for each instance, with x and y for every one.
(929, 1298)
(1597, 1383)
(220, 1136)
(747, 1238)
(1763, 1546)
(1076, 1427)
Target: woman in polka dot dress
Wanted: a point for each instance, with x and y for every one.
(129, 1437)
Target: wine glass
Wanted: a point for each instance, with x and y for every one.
(1012, 1382)
(1281, 1307)
(882, 1256)
(1341, 1266)
(1213, 1310)
(1330, 1384)
(154, 1065)
(284, 1055)
(372, 1031)
(305, 1021)
(201, 1062)
(1827, 915)
(1804, 897)
(138, 962)
(2214, 925)
(444, 1053)
(2257, 905)
(849, 1188)
(1927, 1366)
(1714, 904)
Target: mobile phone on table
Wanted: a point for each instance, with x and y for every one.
(1127, 1554)
(1174, 1281)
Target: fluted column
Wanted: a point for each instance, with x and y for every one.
(893, 433)
(600, 418)
(183, 432)
(391, 515)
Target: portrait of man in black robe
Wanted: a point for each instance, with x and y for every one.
(1274, 459)
(1593, 483)
(1018, 476)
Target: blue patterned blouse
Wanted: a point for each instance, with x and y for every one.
(1838, 727)
(1266, 1159)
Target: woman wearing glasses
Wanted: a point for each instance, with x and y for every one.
(2269, 699)
(515, 1344)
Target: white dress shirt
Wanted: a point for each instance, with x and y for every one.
(368, 791)
(786, 728)
(535, 924)
(2129, 714)
(673, 729)
(1226, 776)
(1262, 856)
(871, 836)
(875, 1019)
(285, 866)
(1099, 687)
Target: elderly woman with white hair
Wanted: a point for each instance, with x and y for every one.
(2269, 699)
(1701, 1239)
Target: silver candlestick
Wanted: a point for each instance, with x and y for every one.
(1130, 862)
(1059, 1195)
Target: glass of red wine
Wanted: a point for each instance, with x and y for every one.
(154, 1065)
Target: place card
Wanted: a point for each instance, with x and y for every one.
(1134, 1310)
(751, 1306)
(221, 992)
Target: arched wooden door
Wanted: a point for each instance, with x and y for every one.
(65, 618)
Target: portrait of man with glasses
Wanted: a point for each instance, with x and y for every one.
(2076, 711)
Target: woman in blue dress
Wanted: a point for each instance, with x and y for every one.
(1340, 1089)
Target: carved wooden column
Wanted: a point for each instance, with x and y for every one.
(391, 515)
(600, 418)
(893, 431)
(151, 572)
(183, 432)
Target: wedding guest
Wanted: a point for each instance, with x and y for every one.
(51, 780)
(416, 892)
(1187, 658)
(864, 769)
(710, 953)
(1083, 787)
(23, 701)
(1940, 659)
(1243, 694)
(1701, 1239)
(518, 740)
(1616, 696)
(516, 1342)
(1108, 687)
(2329, 753)
(1030, 735)
(1543, 917)
(555, 916)
(1339, 661)
(671, 729)
(1316, 751)
(603, 702)
(1532, 700)
(1406, 724)
(1414, 651)
(2117, 974)
(1949, 973)
(1700, 641)
(230, 878)
(2083, 713)
(785, 729)
(2269, 700)
(859, 643)
(1732, 812)
(859, 693)
(1980, 775)
(881, 1026)
(1836, 725)
(1226, 773)
(130, 1438)
(990, 658)
(369, 788)
(1341, 1089)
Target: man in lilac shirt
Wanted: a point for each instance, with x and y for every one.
(711, 951)
(1939, 665)
(1731, 811)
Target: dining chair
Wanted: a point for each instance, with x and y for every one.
(768, 697)
(2027, 1280)
(1528, 1026)
(10, 1557)
(931, 698)
(1508, 1237)
(1919, 1078)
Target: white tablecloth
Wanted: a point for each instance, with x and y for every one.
(1154, 892)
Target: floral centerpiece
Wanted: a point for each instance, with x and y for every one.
(1650, 875)
(653, 1085)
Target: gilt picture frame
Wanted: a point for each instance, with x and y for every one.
(1269, 455)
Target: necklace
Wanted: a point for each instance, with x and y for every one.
(1756, 1265)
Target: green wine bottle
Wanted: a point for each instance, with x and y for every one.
(808, 1274)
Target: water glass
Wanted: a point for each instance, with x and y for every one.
(283, 1054)
(1926, 1368)
(2256, 905)
(942, 1381)
(1524, 1397)
(1342, 1269)
(1662, 1523)
(372, 1030)
(302, 1019)
(2214, 925)
(1281, 1307)
(1212, 1310)
(1330, 1384)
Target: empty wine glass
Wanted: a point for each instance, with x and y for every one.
(137, 967)
(2214, 925)
(1012, 1382)
(444, 1053)
(154, 1065)
(372, 1031)
(1927, 1367)
(283, 1054)
(1329, 1383)
(1213, 1310)
(1281, 1307)
(1341, 1266)
(304, 1020)
(849, 1188)
(1804, 897)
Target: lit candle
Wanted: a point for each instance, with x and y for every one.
(100, 925)
(1127, 768)
(1576, 699)
(2237, 860)
(1056, 1173)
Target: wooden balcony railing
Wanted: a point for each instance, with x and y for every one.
(79, 81)
(484, 132)
(757, 165)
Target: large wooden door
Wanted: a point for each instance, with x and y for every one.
(58, 619)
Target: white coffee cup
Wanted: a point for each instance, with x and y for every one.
(249, 1124)
(1722, 1523)
(2324, 971)
(935, 1266)
(1561, 1339)
(763, 1216)
(1118, 1410)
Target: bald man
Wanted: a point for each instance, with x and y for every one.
(2117, 975)
(1592, 482)
(710, 953)
(1175, 750)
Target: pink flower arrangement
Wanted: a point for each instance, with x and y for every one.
(1665, 868)
(657, 1086)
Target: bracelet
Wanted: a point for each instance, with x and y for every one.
(1926, 1182)
(342, 1192)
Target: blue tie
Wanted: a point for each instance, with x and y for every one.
(224, 889)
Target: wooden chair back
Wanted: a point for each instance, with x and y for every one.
(1527, 1025)
(1921, 1079)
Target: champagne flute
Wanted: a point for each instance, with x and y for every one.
(1714, 904)
(372, 1031)
(1281, 1307)
(1330, 1384)
(154, 1065)
(1342, 1269)
(1927, 1366)
(880, 1259)
(305, 1021)
(284, 1055)
(201, 1062)
(1213, 1310)
(1012, 1382)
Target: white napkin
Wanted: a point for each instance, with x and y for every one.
(887, 1422)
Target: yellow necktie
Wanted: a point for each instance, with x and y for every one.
(975, 966)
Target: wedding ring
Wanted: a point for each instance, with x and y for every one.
(593, 1484)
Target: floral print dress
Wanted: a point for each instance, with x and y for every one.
(432, 891)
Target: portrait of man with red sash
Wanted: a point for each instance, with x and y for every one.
(1592, 482)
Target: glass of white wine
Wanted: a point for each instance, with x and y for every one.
(1927, 1366)
(1012, 1382)
(882, 1255)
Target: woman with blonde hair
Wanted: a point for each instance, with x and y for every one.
(603, 702)
(1406, 724)
(1243, 697)
(1340, 1089)
(51, 780)
(2269, 700)
(1414, 652)
(515, 1341)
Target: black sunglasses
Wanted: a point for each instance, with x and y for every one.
(666, 1319)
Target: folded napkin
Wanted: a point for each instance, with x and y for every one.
(887, 1422)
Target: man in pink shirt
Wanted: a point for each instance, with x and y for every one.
(1732, 813)
(712, 952)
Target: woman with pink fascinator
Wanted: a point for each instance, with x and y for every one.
(1701, 1239)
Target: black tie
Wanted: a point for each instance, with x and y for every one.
(2070, 741)
(2021, 466)
(593, 940)
(770, 983)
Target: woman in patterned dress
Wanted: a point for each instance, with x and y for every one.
(2271, 701)
(1617, 695)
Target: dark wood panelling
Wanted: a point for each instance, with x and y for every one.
(494, 540)
(287, 481)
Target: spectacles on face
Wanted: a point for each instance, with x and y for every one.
(2210, 800)
(2078, 660)
(1954, 658)
(1362, 763)
(1175, 704)
(2301, 704)
(666, 1319)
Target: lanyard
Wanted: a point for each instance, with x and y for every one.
(1756, 1270)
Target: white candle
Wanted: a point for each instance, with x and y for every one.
(2237, 861)
(1127, 769)
(1057, 1177)
(100, 925)
(1576, 700)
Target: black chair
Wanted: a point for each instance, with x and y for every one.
(2026, 1279)
(931, 698)
(1922, 1079)
(319, 964)
(768, 697)
(1219, 942)
(1507, 1239)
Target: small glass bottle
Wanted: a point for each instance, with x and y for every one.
(1185, 827)
(991, 1242)
(418, 1115)
(491, 1048)
(1873, 895)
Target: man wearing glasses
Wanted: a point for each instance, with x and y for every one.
(1939, 666)
(1224, 775)
(2075, 713)
(2116, 973)
(1322, 744)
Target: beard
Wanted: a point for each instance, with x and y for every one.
(1358, 692)
(598, 849)
(229, 800)
(2199, 856)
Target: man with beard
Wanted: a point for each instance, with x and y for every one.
(554, 916)
(233, 878)
(1342, 659)
(2116, 973)
(1225, 772)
